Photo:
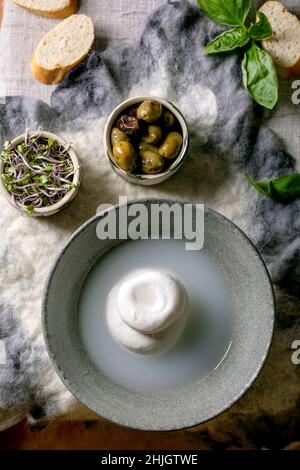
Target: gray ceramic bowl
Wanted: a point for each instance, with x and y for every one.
(65, 201)
(185, 406)
(142, 179)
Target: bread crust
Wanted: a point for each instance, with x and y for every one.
(291, 72)
(63, 13)
(54, 72)
(295, 71)
(52, 76)
(286, 72)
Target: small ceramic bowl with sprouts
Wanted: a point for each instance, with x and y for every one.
(39, 173)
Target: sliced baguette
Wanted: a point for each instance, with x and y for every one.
(62, 48)
(284, 46)
(50, 8)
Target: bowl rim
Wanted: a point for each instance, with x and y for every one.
(49, 210)
(68, 381)
(140, 177)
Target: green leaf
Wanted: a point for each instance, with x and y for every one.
(21, 148)
(281, 188)
(228, 12)
(260, 76)
(48, 168)
(43, 179)
(4, 155)
(262, 29)
(30, 209)
(9, 170)
(228, 41)
(7, 179)
(53, 143)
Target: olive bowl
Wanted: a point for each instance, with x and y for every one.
(144, 179)
(53, 209)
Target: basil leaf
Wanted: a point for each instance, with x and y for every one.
(281, 188)
(228, 41)
(228, 12)
(262, 29)
(260, 77)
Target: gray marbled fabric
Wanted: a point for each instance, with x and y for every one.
(172, 41)
(176, 33)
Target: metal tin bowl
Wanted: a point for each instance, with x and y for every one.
(143, 179)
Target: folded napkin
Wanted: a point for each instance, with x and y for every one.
(228, 139)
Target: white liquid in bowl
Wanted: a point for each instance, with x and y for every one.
(207, 334)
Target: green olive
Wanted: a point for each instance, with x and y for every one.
(149, 111)
(171, 146)
(169, 119)
(152, 162)
(124, 155)
(117, 136)
(145, 147)
(154, 134)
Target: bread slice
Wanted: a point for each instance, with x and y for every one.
(50, 8)
(62, 48)
(284, 46)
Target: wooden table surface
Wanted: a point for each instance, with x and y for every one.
(91, 435)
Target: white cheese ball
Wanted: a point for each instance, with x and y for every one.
(150, 301)
(147, 312)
